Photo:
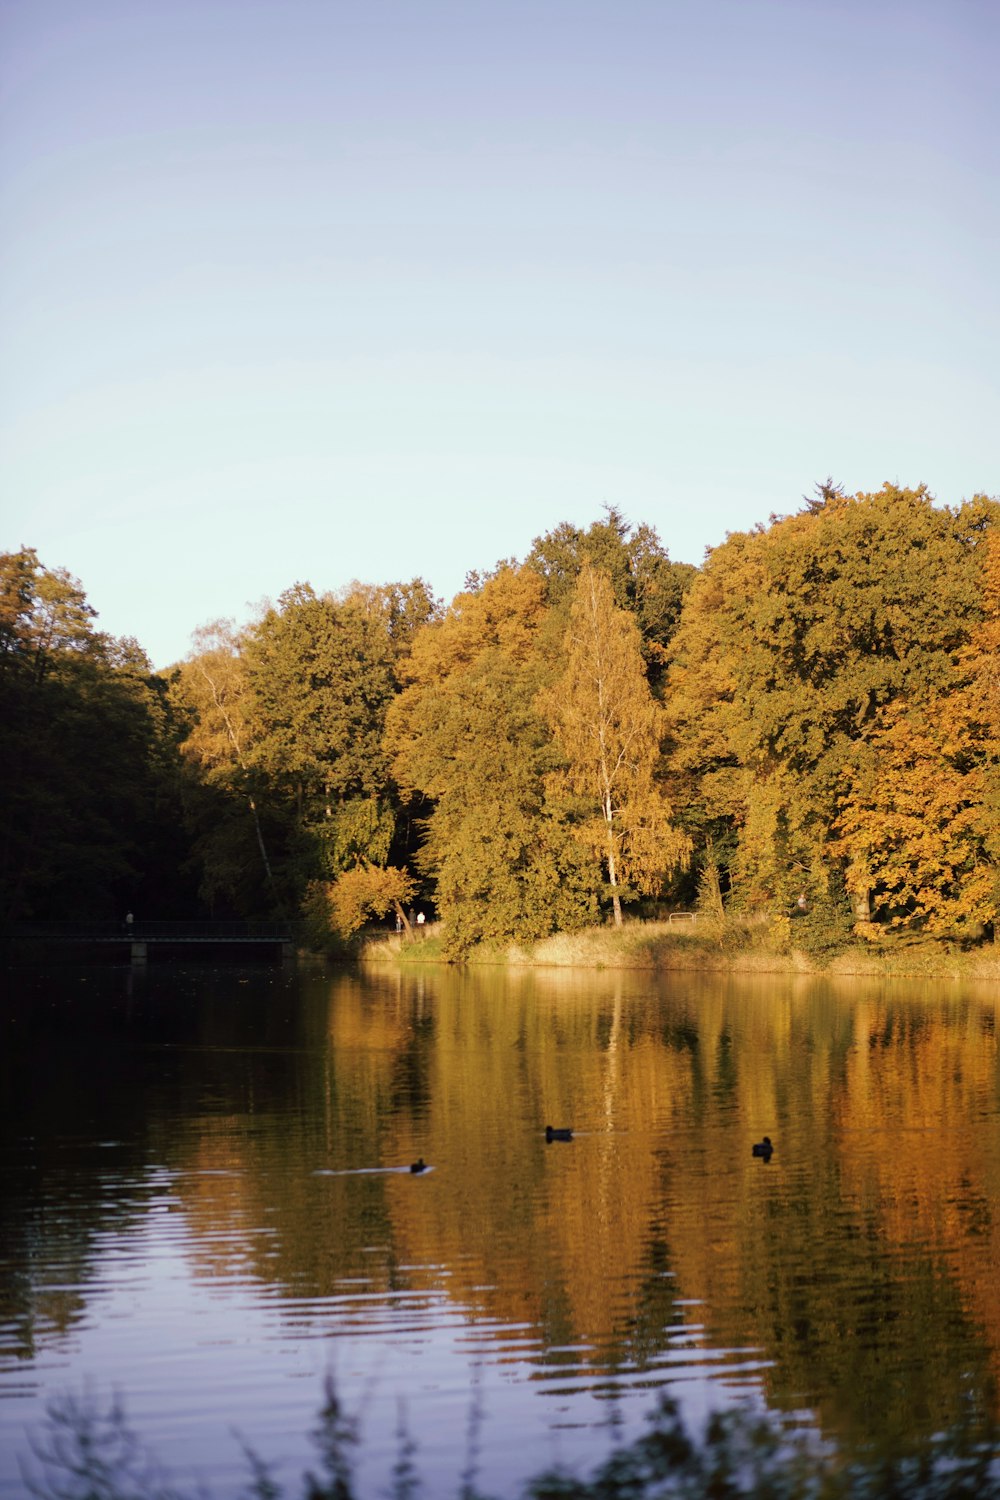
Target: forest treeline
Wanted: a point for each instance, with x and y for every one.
(810, 722)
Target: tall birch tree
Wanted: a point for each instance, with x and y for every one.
(609, 729)
(213, 688)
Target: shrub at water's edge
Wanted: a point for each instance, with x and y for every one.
(727, 945)
(84, 1454)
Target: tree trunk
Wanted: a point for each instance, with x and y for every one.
(404, 919)
(859, 888)
(238, 752)
(261, 845)
(616, 902)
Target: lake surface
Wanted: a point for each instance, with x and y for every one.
(206, 1208)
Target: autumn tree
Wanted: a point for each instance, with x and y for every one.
(341, 907)
(800, 646)
(917, 815)
(230, 816)
(287, 724)
(980, 664)
(909, 825)
(466, 734)
(609, 729)
(44, 616)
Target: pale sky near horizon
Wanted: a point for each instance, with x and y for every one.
(320, 291)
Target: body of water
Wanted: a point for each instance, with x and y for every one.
(207, 1209)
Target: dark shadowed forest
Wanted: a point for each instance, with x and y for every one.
(807, 724)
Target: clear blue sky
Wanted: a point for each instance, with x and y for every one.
(313, 290)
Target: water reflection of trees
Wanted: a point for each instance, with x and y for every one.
(841, 1261)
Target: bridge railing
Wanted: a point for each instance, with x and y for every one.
(262, 931)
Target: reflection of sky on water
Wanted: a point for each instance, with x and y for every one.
(156, 1325)
(205, 1206)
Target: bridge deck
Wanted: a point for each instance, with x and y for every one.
(155, 932)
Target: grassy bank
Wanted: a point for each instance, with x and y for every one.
(729, 946)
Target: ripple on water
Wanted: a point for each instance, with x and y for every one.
(237, 1219)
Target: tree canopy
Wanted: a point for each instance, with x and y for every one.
(609, 730)
(465, 733)
(90, 803)
(803, 648)
(810, 720)
(286, 741)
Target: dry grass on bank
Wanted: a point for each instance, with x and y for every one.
(731, 946)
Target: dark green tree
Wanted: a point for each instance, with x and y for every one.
(644, 581)
(90, 785)
(290, 784)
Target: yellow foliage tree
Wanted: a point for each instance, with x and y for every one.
(813, 693)
(466, 733)
(918, 818)
(609, 729)
(365, 891)
(213, 689)
(911, 821)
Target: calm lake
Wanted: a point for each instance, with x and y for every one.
(206, 1208)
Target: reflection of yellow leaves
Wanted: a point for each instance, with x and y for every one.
(868, 1098)
(219, 1209)
(925, 1084)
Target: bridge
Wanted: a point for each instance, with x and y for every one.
(139, 937)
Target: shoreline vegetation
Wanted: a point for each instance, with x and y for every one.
(85, 1453)
(800, 740)
(689, 941)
